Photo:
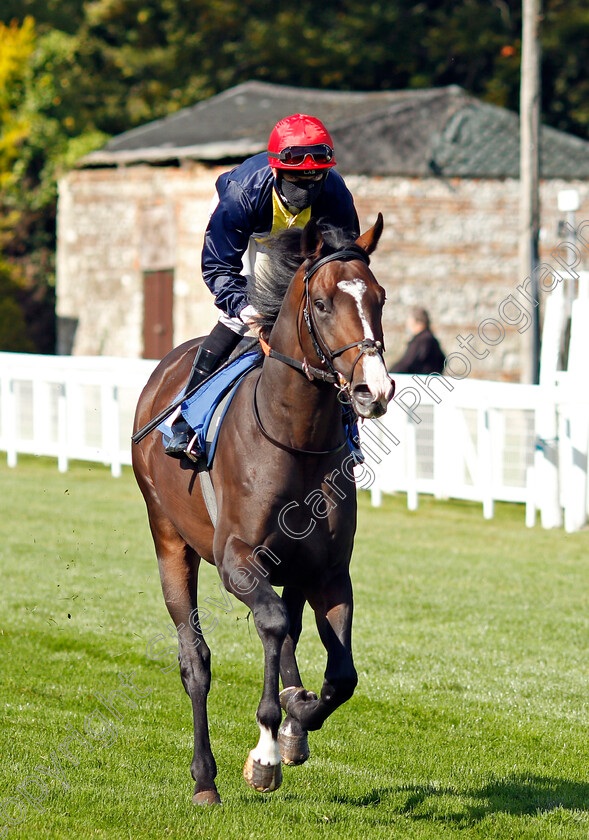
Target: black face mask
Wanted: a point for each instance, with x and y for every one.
(299, 194)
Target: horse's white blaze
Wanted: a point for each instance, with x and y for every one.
(356, 288)
(266, 751)
(376, 377)
(375, 372)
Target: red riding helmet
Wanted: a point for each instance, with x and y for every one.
(300, 142)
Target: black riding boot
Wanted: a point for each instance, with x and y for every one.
(215, 349)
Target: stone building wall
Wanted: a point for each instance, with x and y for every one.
(106, 218)
(450, 245)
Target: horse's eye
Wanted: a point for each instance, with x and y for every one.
(320, 306)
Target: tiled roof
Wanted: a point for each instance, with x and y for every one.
(437, 131)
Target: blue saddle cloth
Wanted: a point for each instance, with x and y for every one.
(199, 409)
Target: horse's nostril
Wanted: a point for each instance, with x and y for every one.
(362, 393)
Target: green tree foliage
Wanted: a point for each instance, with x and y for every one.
(16, 46)
(118, 63)
(14, 335)
(565, 81)
(153, 59)
(156, 58)
(65, 15)
(42, 134)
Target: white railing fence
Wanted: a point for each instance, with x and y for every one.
(487, 442)
(70, 407)
(477, 440)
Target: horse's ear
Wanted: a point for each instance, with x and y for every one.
(369, 240)
(312, 240)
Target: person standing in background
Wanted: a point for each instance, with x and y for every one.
(423, 354)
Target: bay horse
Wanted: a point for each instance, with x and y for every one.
(285, 492)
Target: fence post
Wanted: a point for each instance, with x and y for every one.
(41, 412)
(485, 462)
(547, 455)
(109, 421)
(10, 420)
(575, 479)
(375, 494)
(578, 418)
(376, 487)
(62, 428)
(442, 449)
(530, 497)
(411, 452)
(115, 432)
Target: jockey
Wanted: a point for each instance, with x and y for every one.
(271, 191)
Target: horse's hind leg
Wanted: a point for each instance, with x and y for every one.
(292, 738)
(178, 564)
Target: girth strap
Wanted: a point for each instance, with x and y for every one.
(208, 494)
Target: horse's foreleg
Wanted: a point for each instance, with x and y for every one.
(294, 600)
(292, 738)
(333, 613)
(262, 769)
(178, 565)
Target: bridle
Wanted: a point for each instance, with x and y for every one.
(326, 356)
(367, 346)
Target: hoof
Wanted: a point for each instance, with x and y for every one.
(206, 797)
(287, 694)
(295, 692)
(262, 777)
(293, 742)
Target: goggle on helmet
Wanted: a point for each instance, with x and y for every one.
(300, 142)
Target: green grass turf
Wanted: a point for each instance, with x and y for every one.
(469, 721)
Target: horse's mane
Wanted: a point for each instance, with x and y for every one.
(266, 291)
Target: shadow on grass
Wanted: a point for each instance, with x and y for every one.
(514, 795)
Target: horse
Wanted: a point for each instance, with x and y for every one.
(285, 492)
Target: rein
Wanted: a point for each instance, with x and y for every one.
(284, 446)
(309, 371)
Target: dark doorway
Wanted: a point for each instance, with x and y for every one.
(158, 300)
